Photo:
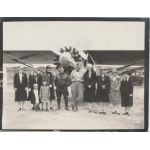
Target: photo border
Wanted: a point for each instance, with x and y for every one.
(146, 65)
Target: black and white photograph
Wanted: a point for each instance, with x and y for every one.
(75, 74)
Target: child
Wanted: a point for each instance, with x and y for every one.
(35, 97)
(45, 95)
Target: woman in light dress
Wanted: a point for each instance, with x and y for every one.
(114, 95)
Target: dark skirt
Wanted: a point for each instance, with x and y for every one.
(89, 95)
(126, 100)
(52, 93)
(102, 96)
(20, 95)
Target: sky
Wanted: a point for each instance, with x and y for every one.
(85, 35)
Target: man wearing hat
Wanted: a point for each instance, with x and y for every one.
(49, 78)
(20, 86)
(35, 77)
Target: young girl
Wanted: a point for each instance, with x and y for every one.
(45, 95)
(35, 97)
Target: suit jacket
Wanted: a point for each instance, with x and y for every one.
(17, 83)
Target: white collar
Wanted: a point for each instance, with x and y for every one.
(35, 90)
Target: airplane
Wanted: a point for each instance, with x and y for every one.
(68, 57)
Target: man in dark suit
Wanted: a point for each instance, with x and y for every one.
(20, 86)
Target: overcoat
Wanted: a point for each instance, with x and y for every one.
(103, 88)
(20, 94)
(114, 95)
(35, 79)
(89, 93)
(32, 80)
(126, 90)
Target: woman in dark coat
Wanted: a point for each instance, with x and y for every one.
(89, 81)
(20, 86)
(34, 77)
(126, 93)
(102, 93)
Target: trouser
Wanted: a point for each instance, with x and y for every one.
(61, 92)
(45, 104)
(77, 90)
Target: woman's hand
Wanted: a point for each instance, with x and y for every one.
(103, 87)
(50, 86)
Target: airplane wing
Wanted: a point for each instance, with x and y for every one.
(83, 55)
(56, 52)
(100, 57)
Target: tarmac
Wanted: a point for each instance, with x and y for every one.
(69, 120)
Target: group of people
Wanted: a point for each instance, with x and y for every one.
(85, 86)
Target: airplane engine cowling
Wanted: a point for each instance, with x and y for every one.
(66, 60)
